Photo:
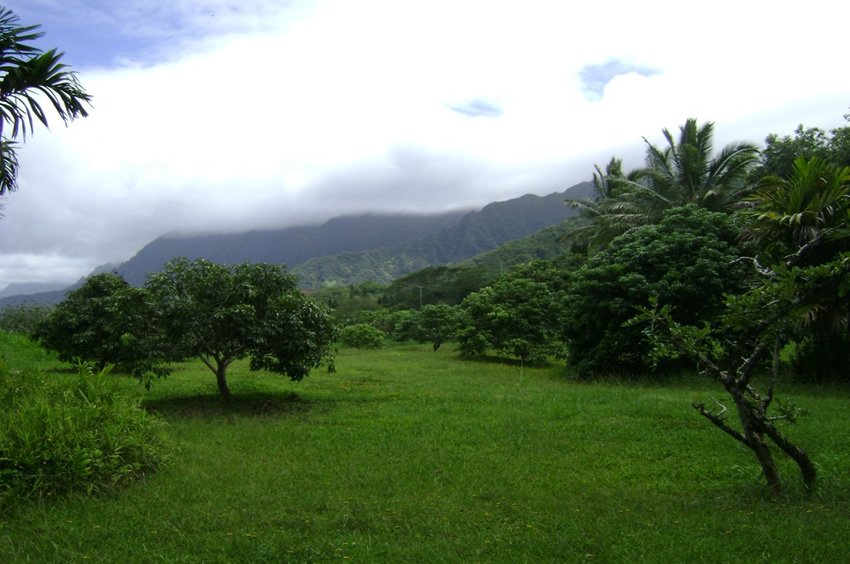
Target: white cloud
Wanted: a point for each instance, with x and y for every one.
(260, 113)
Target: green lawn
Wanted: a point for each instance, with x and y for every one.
(406, 455)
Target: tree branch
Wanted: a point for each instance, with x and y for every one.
(720, 423)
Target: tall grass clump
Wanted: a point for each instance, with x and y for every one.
(71, 434)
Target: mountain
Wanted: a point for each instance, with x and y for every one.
(451, 283)
(477, 233)
(289, 246)
(26, 289)
(349, 250)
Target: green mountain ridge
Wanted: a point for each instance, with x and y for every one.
(477, 233)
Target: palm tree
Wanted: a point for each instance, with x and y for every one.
(28, 76)
(808, 211)
(609, 212)
(801, 224)
(685, 172)
(681, 173)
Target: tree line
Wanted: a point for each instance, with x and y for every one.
(735, 262)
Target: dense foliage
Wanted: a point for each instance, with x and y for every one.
(780, 152)
(106, 321)
(362, 336)
(77, 434)
(687, 260)
(23, 319)
(518, 315)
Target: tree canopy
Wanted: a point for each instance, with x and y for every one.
(687, 259)
(517, 315)
(225, 313)
(105, 321)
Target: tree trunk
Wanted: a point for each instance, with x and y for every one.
(221, 378)
(754, 439)
(768, 466)
(808, 471)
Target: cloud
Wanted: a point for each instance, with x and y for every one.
(477, 107)
(594, 78)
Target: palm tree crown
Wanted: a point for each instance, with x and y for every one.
(28, 76)
(680, 173)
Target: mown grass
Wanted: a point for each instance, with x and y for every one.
(406, 455)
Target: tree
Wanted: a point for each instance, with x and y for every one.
(803, 223)
(105, 321)
(225, 313)
(27, 77)
(518, 315)
(779, 154)
(682, 172)
(687, 259)
(437, 323)
(362, 336)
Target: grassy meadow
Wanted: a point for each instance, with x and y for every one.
(409, 455)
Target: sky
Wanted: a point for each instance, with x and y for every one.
(231, 115)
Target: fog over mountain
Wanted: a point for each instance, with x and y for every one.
(224, 116)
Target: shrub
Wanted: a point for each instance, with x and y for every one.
(362, 336)
(59, 436)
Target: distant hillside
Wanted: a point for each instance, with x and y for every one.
(477, 233)
(449, 284)
(31, 288)
(289, 246)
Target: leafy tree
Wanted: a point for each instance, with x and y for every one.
(226, 313)
(437, 323)
(517, 315)
(682, 172)
(24, 318)
(779, 154)
(28, 76)
(807, 219)
(687, 259)
(105, 321)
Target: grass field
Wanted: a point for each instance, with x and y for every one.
(406, 455)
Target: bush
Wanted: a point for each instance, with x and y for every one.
(58, 436)
(362, 336)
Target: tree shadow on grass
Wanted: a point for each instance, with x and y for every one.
(213, 405)
(494, 359)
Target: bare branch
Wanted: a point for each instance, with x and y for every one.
(746, 369)
(721, 424)
(766, 272)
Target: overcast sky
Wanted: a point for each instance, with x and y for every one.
(222, 115)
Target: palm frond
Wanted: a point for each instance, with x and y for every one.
(31, 83)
